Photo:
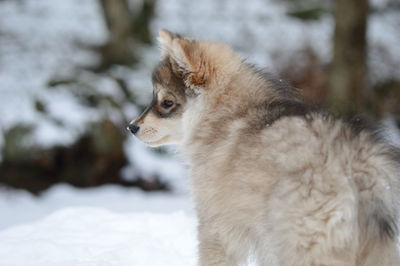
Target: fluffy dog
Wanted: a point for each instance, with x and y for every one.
(272, 177)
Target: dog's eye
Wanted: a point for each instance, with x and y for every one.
(167, 104)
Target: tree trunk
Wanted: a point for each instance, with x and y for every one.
(119, 49)
(142, 20)
(347, 75)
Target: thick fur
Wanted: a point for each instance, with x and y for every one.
(271, 176)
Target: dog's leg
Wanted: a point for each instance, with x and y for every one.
(211, 253)
(211, 250)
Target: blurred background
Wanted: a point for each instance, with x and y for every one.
(74, 73)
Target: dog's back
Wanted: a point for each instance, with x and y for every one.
(336, 193)
(305, 186)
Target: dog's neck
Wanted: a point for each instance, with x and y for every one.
(215, 113)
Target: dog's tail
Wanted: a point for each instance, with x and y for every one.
(378, 219)
(378, 180)
(381, 220)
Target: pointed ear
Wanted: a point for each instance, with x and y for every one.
(176, 48)
(165, 39)
(182, 54)
(185, 56)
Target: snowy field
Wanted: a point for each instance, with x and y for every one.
(109, 225)
(21, 207)
(96, 236)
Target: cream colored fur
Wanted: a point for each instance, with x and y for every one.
(303, 190)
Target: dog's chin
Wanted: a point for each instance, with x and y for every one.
(157, 143)
(153, 144)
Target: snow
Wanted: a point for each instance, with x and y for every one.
(108, 225)
(95, 236)
(18, 206)
(39, 40)
(169, 169)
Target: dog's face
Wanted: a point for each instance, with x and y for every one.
(161, 122)
(188, 69)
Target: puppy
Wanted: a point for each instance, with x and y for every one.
(272, 177)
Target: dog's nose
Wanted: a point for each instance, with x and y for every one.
(133, 128)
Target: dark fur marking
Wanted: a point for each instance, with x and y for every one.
(287, 105)
(381, 221)
(164, 75)
(280, 109)
(386, 223)
(358, 124)
(394, 154)
(268, 114)
(170, 112)
(387, 228)
(155, 75)
(265, 115)
(290, 105)
(375, 132)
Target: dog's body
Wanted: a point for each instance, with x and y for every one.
(271, 176)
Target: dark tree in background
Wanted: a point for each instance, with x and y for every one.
(127, 28)
(119, 49)
(346, 84)
(347, 88)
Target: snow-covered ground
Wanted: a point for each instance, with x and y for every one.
(108, 225)
(96, 236)
(21, 207)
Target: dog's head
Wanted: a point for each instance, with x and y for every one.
(187, 69)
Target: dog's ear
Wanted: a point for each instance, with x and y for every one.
(165, 39)
(184, 54)
(176, 48)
